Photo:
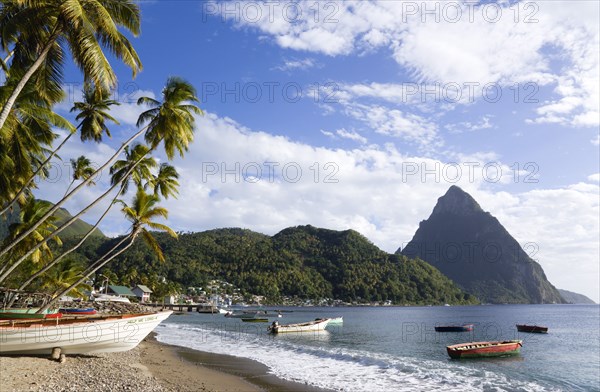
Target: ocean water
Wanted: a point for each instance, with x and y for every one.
(397, 349)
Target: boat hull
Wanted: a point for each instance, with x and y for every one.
(484, 349)
(77, 311)
(532, 328)
(27, 313)
(255, 320)
(78, 336)
(312, 326)
(454, 328)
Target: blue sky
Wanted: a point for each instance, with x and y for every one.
(365, 94)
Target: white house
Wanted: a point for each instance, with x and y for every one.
(142, 292)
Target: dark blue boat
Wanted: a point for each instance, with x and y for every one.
(78, 311)
(455, 328)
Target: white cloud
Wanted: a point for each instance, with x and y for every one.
(468, 126)
(409, 127)
(550, 43)
(290, 65)
(344, 134)
(594, 177)
(596, 141)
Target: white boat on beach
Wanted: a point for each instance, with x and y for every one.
(311, 326)
(111, 298)
(78, 335)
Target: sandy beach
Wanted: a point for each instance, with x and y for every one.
(151, 366)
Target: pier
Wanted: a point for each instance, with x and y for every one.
(200, 308)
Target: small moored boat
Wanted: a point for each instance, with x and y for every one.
(484, 349)
(311, 326)
(454, 328)
(255, 320)
(532, 328)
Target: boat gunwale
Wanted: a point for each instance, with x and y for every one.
(69, 320)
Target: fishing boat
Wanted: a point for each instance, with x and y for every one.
(333, 321)
(484, 349)
(311, 326)
(28, 313)
(77, 335)
(255, 320)
(532, 328)
(210, 309)
(111, 298)
(454, 328)
(78, 311)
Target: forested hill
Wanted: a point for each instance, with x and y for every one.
(304, 261)
(76, 229)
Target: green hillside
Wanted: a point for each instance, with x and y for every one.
(76, 229)
(305, 261)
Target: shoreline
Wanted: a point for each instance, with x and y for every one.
(151, 366)
(251, 372)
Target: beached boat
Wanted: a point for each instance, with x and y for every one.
(27, 313)
(76, 335)
(484, 349)
(311, 326)
(255, 320)
(532, 328)
(111, 298)
(454, 328)
(78, 311)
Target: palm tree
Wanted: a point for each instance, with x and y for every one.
(63, 276)
(82, 169)
(165, 182)
(141, 214)
(93, 114)
(171, 121)
(137, 164)
(36, 28)
(28, 215)
(23, 144)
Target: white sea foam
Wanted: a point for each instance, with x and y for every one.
(338, 368)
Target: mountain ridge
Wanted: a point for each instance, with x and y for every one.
(472, 248)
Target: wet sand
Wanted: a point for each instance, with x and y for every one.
(152, 366)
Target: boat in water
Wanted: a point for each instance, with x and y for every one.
(484, 349)
(454, 328)
(532, 328)
(311, 326)
(255, 320)
(78, 335)
(333, 321)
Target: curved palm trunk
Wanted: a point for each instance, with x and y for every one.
(34, 175)
(70, 221)
(34, 67)
(59, 258)
(67, 197)
(95, 268)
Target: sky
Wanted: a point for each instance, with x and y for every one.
(360, 115)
